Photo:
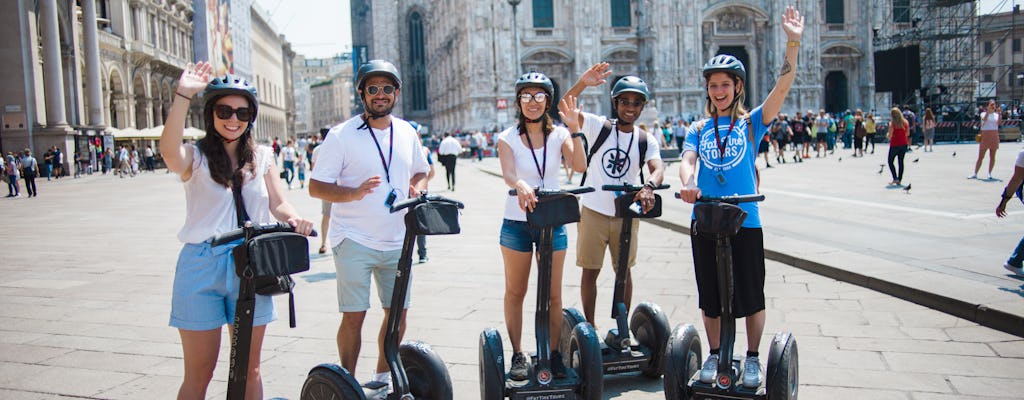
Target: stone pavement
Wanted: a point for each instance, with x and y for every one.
(88, 268)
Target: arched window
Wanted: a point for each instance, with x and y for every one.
(543, 14)
(621, 14)
(417, 86)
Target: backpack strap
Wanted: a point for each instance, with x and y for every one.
(642, 146)
(606, 130)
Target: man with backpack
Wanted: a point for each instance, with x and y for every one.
(615, 156)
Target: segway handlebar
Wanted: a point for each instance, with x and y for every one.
(628, 187)
(255, 230)
(746, 198)
(424, 198)
(551, 192)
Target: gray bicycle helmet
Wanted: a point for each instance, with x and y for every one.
(725, 63)
(377, 68)
(536, 79)
(630, 83)
(227, 85)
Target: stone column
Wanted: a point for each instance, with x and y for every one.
(52, 77)
(92, 64)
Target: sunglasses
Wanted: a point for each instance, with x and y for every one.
(538, 97)
(224, 112)
(387, 89)
(626, 102)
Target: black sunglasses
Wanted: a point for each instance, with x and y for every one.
(224, 112)
(625, 102)
(373, 90)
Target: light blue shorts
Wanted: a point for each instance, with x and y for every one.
(354, 264)
(206, 289)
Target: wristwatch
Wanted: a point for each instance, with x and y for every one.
(578, 135)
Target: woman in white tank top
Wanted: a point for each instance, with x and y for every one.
(205, 284)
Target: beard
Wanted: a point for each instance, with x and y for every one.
(379, 112)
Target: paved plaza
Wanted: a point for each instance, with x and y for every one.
(88, 267)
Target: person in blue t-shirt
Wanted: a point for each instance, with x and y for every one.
(726, 147)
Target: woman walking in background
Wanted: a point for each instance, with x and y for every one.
(989, 139)
(899, 141)
(929, 129)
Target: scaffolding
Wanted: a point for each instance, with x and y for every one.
(946, 33)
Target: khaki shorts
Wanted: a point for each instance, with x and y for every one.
(594, 233)
(355, 264)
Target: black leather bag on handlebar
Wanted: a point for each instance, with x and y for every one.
(433, 218)
(554, 210)
(272, 255)
(718, 219)
(624, 207)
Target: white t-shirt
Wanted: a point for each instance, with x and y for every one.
(989, 121)
(348, 157)
(526, 168)
(1020, 159)
(288, 153)
(449, 147)
(210, 206)
(603, 168)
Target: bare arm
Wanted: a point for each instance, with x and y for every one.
(279, 205)
(527, 198)
(687, 174)
(793, 25)
(335, 193)
(573, 115)
(1010, 189)
(177, 156)
(594, 76)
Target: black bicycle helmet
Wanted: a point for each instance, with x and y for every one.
(725, 63)
(226, 85)
(633, 84)
(377, 68)
(536, 79)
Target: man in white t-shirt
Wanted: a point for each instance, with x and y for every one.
(368, 163)
(447, 154)
(615, 161)
(325, 206)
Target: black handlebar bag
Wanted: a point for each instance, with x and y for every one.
(433, 218)
(625, 201)
(716, 220)
(554, 210)
(272, 255)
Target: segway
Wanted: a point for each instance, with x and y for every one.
(417, 372)
(719, 218)
(649, 324)
(583, 378)
(290, 253)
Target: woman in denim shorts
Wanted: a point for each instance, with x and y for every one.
(530, 153)
(205, 284)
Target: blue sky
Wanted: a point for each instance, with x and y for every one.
(315, 28)
(994, 6)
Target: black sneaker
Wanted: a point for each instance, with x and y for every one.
(557, 367)
(519, 369)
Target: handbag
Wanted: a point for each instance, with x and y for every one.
(553, 211)
(270, 259)
(715, 220)
(433, 218)
(624, 207)
(977, 138)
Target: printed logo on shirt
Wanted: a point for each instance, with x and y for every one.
(735, 147)
(615, 163)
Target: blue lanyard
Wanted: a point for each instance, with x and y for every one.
(391, 149)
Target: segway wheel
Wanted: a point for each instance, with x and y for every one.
(585, 351)
(682, 360)
(570, 318)
(651, 329)
(329, 381)
(428, 376)
(783, 374)
(492, 366)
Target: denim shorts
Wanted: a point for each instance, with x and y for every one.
(206, 289)
(355, 264)
(519, 236)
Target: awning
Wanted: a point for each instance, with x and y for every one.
(154, 133)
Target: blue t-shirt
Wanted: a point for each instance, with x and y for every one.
(735, 163)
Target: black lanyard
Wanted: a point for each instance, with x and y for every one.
(540, 170)
(618, 151)
(718, 140)
(391, 150)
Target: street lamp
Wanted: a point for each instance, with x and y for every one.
(515, 35)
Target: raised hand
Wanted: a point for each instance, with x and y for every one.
(570, 111)
(596, 74)
(793, 24)
(194, 78)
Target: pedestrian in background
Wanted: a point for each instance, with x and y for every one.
(871, 128)
(989, 138)
(29, 171)
(205, 283)
(1014, 263)
(12, 171)
(899, 142)
(929, 124)
(448, 154)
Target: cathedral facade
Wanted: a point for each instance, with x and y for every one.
(458, 58)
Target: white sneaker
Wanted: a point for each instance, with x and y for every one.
(752, 372)
(973, 176)
(383, 377)
(710, 369)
